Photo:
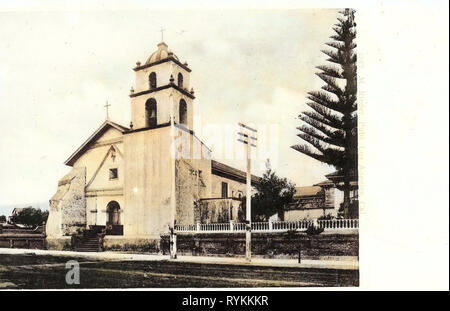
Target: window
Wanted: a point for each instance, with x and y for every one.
(224, 190)
(180, 80)
(113, 173)
(183, 112)
(152, 80)
(151, 113)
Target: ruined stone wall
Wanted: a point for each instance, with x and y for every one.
(74, 203)
(187, 189)
(219, 211)
(68, 205)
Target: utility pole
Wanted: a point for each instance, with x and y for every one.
(248, 138)
(172, 231)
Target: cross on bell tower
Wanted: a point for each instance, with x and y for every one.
(162, 34)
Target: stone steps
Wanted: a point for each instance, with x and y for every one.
(91, 244)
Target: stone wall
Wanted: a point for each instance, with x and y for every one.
(136, 245)
(29, 241)
(266, 245)
(68, 205)
(59, 243)
(74, 204)
(219, 211)
(14, 237)
(187, 188)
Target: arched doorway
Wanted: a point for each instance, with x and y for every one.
(113, 226)
(113, 211)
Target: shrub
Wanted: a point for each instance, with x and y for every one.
(326, 217)
(313, 230)
(30, 217)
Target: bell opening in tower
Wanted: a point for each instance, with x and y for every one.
(180, 80)
(151, 113)
(152, 80)
(183, 112)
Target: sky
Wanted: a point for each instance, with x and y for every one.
(59, 68)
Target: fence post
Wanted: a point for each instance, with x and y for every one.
(300, 252)
(270, 225)
(231, 225)
(315, 223)
(198, 227)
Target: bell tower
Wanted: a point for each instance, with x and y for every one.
(161, 82)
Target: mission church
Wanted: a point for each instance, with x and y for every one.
(135, 182)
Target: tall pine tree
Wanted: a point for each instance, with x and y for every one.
(331, 127)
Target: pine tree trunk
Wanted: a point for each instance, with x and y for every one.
(346, 194)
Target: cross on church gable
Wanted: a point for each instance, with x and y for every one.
(107, 110)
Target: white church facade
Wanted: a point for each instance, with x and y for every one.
(138, 181)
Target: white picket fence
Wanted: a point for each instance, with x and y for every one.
(271, 226)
